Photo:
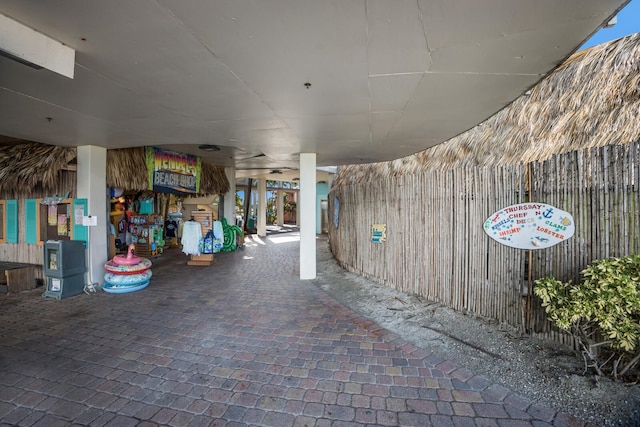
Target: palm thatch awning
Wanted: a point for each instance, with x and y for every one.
(591, 100)
(37, 170)
(127, 168)
(32, 169)
(213, 180)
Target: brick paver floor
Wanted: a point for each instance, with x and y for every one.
(243, 342)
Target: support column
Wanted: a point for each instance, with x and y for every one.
(262, 207)
(296, 199)
(230, 197)
(307, 215)
(92, 185)
(281, 206)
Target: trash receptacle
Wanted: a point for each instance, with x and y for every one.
(64, 268)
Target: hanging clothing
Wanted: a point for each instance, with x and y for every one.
(191, 235)
(180, 226)
(171, 227)
(145, 207)
(218, 232)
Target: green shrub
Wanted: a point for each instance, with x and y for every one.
(602, 313)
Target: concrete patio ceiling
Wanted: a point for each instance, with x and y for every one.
(264, 80)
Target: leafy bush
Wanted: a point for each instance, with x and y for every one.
(602, 313)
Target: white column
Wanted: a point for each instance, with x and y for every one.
(307, 215)
(230, 197)
(281, 206)
(92, 185)
(262, 207)
(296, 199)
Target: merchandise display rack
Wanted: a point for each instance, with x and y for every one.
(205, 218)
(144, 230)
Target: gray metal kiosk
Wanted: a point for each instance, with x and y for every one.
(64, 268)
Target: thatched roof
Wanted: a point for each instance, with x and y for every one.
(591, 100)
(32, 169)
(127, 168)
(36, 170)
(213, 180)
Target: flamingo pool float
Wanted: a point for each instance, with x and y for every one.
(129, 259)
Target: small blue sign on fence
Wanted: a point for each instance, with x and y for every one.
(379, 233)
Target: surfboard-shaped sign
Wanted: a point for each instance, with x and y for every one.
(530, 226)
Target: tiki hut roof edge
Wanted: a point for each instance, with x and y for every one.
(591, 100)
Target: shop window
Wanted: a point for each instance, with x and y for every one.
(55, 221)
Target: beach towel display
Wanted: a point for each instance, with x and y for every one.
(218, 236)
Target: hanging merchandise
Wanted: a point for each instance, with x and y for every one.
(171, 227)
(145, 206)
(191, 235)
(218, 231)
(217, 245)
(207, 247)
(218, 236)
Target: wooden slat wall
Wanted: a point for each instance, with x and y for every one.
(27, 253)
(436, 247)
(22, 252)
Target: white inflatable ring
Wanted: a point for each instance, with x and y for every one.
(124, 289)
(120, 280)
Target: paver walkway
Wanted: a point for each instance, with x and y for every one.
(243, 342)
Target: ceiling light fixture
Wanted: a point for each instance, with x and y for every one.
(34, 49)
(20, 60)
(276, 172)
(209, 148)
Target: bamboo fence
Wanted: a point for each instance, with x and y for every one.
(436, 247)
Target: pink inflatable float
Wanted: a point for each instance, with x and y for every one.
(128, 273)
(129, 259)
(143, 265)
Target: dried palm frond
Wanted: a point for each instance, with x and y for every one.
(34, 170)
(127, 168)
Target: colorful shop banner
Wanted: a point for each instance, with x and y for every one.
(172, 172)
(530, 226)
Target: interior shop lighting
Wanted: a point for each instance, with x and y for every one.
(34, 49)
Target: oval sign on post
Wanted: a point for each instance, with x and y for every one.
(530, 226)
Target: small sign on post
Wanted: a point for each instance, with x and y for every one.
(530, 226)
(90, 221)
